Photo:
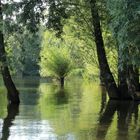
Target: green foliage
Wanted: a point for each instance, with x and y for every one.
(71, 21)
(23, 52)
(30, 44)
(55, 59)
(14, 51)
(57, 62)
(77, 33)
(79, 41)
(124, 22)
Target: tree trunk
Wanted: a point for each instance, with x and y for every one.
(128, 81)
(122, 81)
(133, 81)
(136, 78)
(122, 77)
(12, 111)
(106, 74)
(62, 79)
(13, 95)
(128, 77)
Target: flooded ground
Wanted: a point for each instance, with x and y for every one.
(81, 111)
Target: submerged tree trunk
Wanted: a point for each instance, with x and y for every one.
(122, 77)
(122, 80)
(133, 81)
(128, 78)
(135, 75)
(62, 80)
(13, 95)
(105, 72)
(12, 111)
(128, 82)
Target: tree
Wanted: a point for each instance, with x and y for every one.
(13, 95)
(104, 67)
(23, 52)
(55, 59)
(103, 64)
(54, 5)
(124, 24)
(30, 47)
(34, 12)
(14, 54)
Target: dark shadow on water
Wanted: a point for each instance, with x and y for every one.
(105, 119)
(13, 111)
(61, 96)
(126, 110)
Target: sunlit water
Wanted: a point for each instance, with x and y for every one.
(81, 111)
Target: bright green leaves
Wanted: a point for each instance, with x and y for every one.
(55, 57)
(58, 62)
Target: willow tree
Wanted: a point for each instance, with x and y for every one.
(57, 63)
(13, 94)
(124, 22)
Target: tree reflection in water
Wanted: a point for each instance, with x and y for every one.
(61, 96)
(103, 99)
(13, 111)
(127, 111)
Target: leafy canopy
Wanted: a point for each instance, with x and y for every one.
(55, 58)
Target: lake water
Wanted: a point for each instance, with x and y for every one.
(81, 111)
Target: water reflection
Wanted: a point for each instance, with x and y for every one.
(61, 96)
(106, 119)
(13, 111)
(127, 112)
(28, 88)
(103, 99)
(78, 112)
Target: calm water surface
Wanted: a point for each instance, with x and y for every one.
(81, 111)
